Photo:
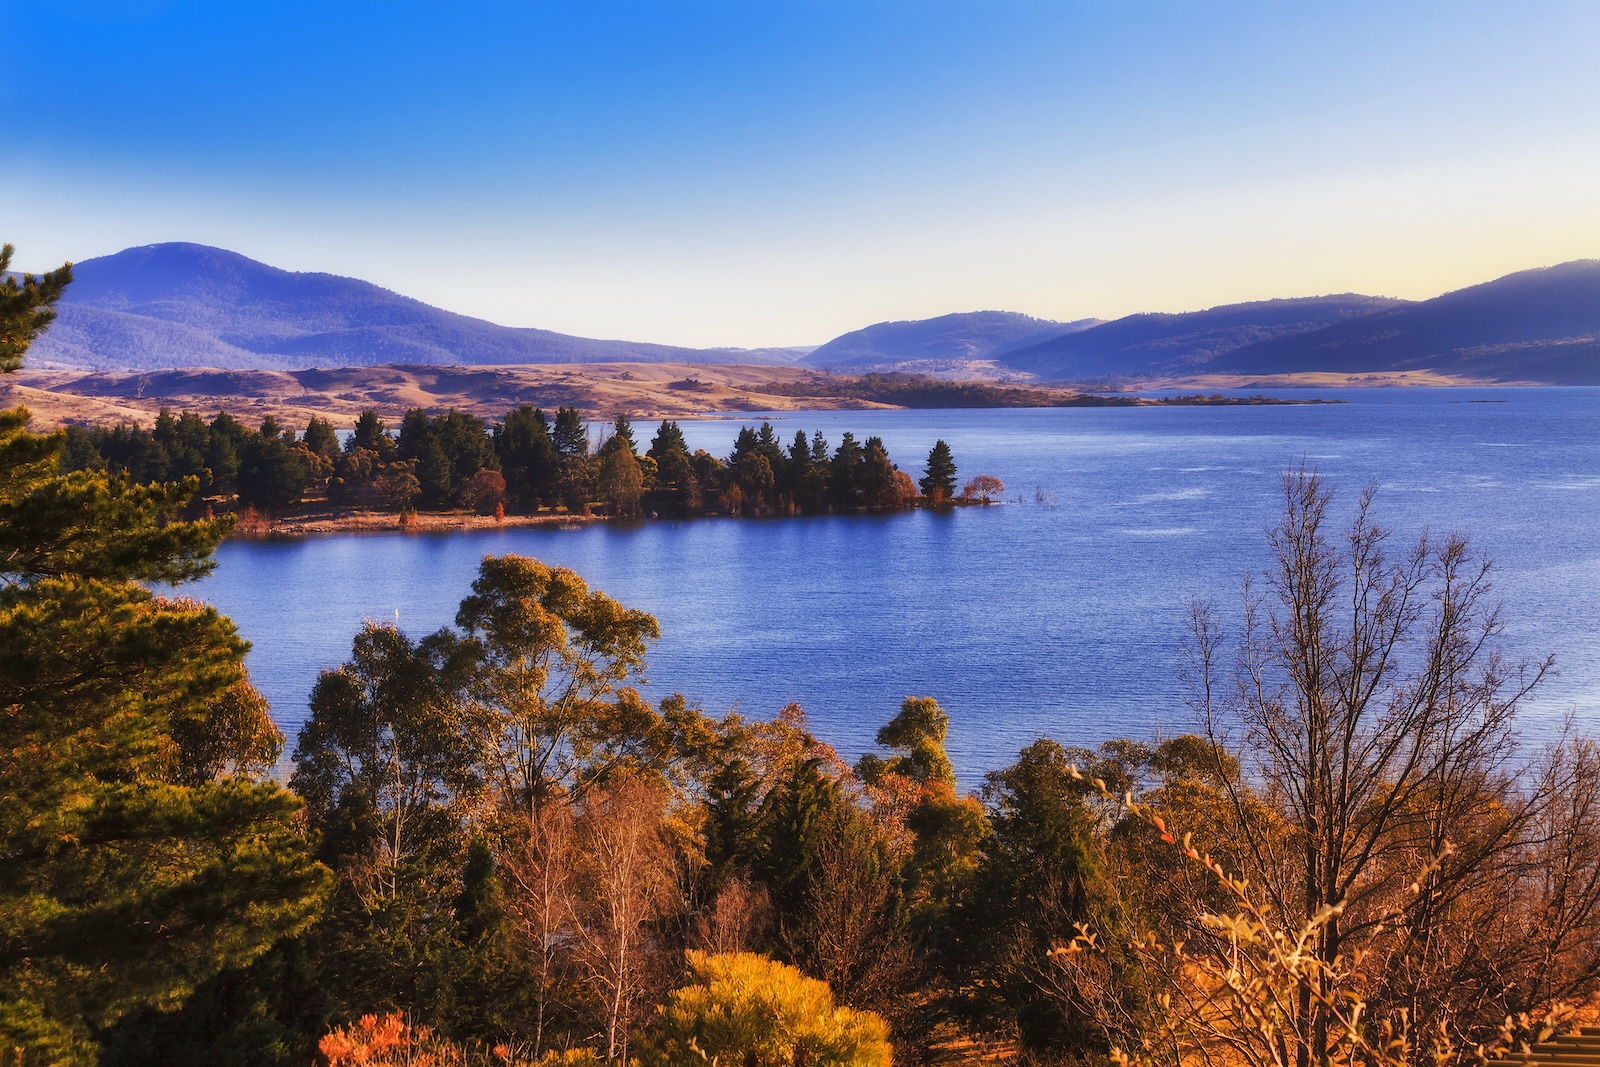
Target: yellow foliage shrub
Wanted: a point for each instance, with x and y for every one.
(745, 1010)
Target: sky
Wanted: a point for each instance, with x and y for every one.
(762, 173)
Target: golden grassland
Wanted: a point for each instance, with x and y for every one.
(599, 390)
(643, 390)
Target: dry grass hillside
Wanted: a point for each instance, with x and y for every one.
(598, 390)
(643, 390)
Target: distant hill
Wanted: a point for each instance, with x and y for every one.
(948, 339)
(1536, 325)
(171, 306)
(186, 305)
(1188, 343)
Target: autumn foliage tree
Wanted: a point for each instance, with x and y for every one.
(1380, 719)
(983, 488)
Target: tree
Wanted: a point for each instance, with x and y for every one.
(415, 429)
(484, 492)
(27, 307)
(320, 439)
(570, 435)
(920, 785)
(222, 454)
(550, 660)
(747, 1009)
(622, 432)
(627, 881)
(384, 756)
(1234, 998)
(851, 928)
(528, 457)
(809, 471)
(371, 434)
(1378, 718)
(576, 471)
(668, 438)
(467, 448)
(938, 484)
(983, 488)
(844, 475)
(144, 851)
(621, 480)
(273, 475)
(879, 487)
(540, 860)
(1039, 873)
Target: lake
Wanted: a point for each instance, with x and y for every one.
(1059, 612)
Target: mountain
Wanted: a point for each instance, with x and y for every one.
(171, 306)
(187, 305)
(1186, 343)
(917, 344)
(1535, 325)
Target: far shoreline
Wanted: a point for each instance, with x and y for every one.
(333, 521)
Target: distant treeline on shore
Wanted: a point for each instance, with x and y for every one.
(926, 391)
(522, 465)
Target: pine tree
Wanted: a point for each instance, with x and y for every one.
(144, 851)
(528, 457)
(26, 307)
(570, 435)
(669, 438)
(320, 438)
(371, 434)
(939, 483)
(622, 433)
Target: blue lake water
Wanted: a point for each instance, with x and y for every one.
(1058, 613)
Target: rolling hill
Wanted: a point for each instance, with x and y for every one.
(1535, 325)
(1189, 343)
(186, 305)
(931, 344)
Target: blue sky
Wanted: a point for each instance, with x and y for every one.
(760, 173)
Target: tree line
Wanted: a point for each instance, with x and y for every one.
(523, 464)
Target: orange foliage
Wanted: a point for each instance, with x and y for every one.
(389, 1041)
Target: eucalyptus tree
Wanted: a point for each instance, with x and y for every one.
(552, 660)
(384, 761)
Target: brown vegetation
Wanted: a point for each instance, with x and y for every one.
(647, 390)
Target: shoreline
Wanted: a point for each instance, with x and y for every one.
(310, 524)
(315, 523)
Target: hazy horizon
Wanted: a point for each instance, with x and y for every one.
(765, 175)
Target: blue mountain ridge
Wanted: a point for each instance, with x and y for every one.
(180, 305)
(185, 305)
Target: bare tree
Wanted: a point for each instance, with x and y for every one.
(540, 867)
(1377, 718)
(853, 931)
(628, 879)
(737, 919)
